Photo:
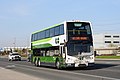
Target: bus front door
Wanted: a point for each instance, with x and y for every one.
(63, 51)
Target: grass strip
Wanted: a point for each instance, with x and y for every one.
(108, 57)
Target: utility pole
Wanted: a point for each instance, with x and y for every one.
(14, 43)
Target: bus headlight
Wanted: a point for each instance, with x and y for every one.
(77, 61)
(88, 57)
(70, 60)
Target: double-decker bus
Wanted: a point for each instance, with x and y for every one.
(68, 44)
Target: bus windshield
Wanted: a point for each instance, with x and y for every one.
(79, 37)
(74, 49)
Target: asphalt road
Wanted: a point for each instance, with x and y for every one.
(103, 70)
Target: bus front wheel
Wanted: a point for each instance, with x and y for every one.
(58, 64)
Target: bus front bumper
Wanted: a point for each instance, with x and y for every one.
(78, 65)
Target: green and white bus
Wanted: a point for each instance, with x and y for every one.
(68, 44)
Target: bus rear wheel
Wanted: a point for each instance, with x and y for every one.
(39, 63)
(36, 63)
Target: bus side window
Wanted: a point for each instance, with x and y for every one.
(51, 52)
(56, 53)
(41, 54)
(48, 53)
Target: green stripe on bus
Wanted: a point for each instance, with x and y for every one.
(40, 41)
(42, 46)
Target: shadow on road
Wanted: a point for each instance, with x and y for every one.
(96, 66)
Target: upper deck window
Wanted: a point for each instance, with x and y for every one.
(32, 38)
(57, 30)
(47, 33)
(42, 34)
(78, 28)
(61, 29)
(52, 32)
(36, 36)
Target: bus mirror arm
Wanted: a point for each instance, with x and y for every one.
(65, 43)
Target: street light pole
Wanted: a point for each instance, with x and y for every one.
(14, 43)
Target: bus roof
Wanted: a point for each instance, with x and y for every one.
(58, 25)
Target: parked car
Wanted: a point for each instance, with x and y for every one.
(14, 56)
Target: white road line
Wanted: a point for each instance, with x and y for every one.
(2, 68)
(10, 66)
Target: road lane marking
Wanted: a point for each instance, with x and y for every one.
(2, 68)
(10, 66)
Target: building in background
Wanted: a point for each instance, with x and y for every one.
(106, 40)
(105, 44)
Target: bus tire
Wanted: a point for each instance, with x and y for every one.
(58, 64)
(39, 62)
(36, 63)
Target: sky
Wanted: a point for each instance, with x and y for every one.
(19, 18)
